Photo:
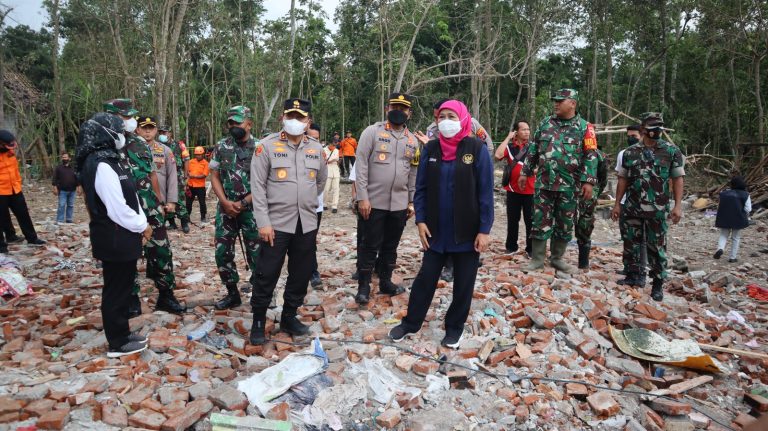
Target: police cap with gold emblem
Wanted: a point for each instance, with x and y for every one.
(302, 106)
(147, 122)
(400, 99)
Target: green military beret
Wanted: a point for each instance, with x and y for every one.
(120, 106)
(239, 114)
(566, 93)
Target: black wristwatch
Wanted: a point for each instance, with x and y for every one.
(245, 204)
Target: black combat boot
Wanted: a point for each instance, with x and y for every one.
(584, 255)
(657, 292)
(292, 325)
(363, 287)
(232, 299)
(386, 286)
(258, 337)
(185, 225)
(632, 279)
(134, 306)
(172, 224)
(166, 301)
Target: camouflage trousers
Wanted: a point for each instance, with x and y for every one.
(181, 209)
(627, 257)
(157, 251)
(585, 217)
(652, 231)
(227, 230)
(553, 214)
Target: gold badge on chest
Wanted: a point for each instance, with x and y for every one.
(468, 159)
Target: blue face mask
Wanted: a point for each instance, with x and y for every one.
(163, 138)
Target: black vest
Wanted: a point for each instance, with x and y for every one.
(109, 241)
(466, 208)
(730, 211)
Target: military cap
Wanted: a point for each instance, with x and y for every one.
(652, 119)
(400, 99)
(239, 114)
(147, 121)
(120, 106)
(164, 128)
(6, 136)
(303, 107)
(566, 93)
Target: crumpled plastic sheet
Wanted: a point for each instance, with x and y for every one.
(306, 392)
(262, 388)
(12, 283)
(382, 382)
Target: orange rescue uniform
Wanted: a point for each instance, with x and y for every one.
(197, 168)
(348, 147)
(10, 178)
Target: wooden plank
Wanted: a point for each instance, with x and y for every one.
(733, 351)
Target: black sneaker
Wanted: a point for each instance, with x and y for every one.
(334, 210)
(4, 248)
(355, 275)
(718, 253)
(399, 332)
(127, 349)
(452, 340)
(315, 281)
(37, 241)
(14, 239)
(138, 338)
(733, 260)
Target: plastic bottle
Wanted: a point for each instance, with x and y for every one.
(201, 331)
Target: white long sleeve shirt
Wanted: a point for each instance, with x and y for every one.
(111, 194)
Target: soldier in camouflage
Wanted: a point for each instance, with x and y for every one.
(180, 153)
(231, 180)
(646, 170)
(157, 251)
(585, 218)
(564, 150)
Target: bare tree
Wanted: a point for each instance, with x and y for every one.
(55, 17)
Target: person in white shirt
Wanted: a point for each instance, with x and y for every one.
(117, 224)
(315, 281)
(334, 175)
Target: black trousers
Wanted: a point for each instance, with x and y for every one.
(18, 205)
(314, 256)
(423, 289)
(382, 232)
(8, 229)
(516, 203)
(115, 297)
(300, 247)
(199, 193)
(348, 162)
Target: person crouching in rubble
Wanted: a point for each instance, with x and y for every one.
(117, 224)
(454, 214)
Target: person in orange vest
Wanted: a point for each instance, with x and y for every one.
(198, 172)
(348, 148)
(11, 196)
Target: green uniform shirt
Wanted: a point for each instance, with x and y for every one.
(233, 162)
(648, 171)
(565, 152)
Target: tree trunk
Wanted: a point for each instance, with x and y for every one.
(407, 53)
(290, 52)
(663, 80)
(57, 77)
(759, 101)
(532, 88)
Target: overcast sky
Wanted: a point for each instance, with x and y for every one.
(33, 14)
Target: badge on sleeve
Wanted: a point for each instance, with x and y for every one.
(259, 150)
(481, 134)
(590, 139)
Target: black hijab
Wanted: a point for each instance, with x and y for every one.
(97, 136)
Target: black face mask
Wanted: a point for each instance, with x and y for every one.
(65, 162)
(397, 117)
(654, 134)
(632, 140)
(237, 132)
(3, 149)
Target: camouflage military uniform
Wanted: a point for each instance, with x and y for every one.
(233, 162)
(181, 209)
(157, 250)
(564, 153)
(648, 171)
(585, 220)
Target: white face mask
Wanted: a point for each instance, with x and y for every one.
(294, 127)
(120, 141)
(130, 125)
(449, 128)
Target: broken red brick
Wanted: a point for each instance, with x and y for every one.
(389, 419)
(670, 407)
(53, 420)
(603, 404)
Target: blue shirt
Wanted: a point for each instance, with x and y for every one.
(443, 241)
